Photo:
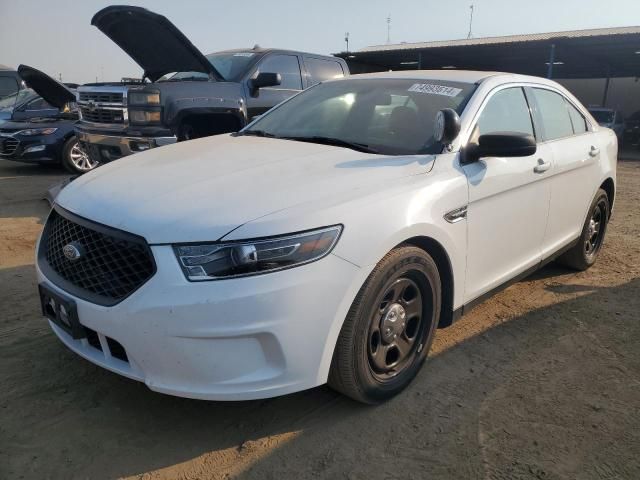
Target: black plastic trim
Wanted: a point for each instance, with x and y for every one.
(71, 288)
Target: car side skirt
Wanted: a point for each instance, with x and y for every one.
(467, 307)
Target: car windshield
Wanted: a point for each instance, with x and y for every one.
(603, 116)
(7, 103)
(387, 116)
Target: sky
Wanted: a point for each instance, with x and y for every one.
(56, 36)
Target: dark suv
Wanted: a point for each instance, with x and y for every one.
(187, 95)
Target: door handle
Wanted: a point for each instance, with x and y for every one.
(594, 151)
(542, 166)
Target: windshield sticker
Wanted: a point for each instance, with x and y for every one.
(243, 54)
(434, 89)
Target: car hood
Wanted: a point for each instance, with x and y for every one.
(52, 91)
(152, 41)
(43, 122)
(203, 189)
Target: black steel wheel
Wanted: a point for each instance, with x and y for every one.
(584, 253)
(389, 328)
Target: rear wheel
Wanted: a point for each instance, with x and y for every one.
(585, 252)
(74, 159)
(389, 328)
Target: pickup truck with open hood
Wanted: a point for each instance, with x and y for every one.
(185, 94)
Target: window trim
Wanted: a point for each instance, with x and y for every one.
(464, 139)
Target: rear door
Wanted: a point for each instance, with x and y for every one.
(288, 66)
(508, 199)
(574, 146)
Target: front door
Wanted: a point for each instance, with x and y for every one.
(508, 199)
(288, 67)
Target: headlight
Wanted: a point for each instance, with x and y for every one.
(144, 98)
(215, 261)
(36, 131)
(144, 116)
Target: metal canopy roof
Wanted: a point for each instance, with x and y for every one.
(594, 53)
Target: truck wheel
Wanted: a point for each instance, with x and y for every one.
(186, 132)
(585, 252)
(74, 159)
(389, 329)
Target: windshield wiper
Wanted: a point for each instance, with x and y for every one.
(256, 133)
(336, 142)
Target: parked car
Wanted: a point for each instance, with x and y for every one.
(10, 82)
(327, 240)
(610, 118)
(632, 130)
(41, 128)
(209, 95)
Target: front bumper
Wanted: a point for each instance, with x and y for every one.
(107, 148)
(234, 339)
(36, 149)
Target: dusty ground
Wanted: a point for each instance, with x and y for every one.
(542, 381)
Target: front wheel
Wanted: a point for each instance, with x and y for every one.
(584, 253)
(389, 329)
(75, 159)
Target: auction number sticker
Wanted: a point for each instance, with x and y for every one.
(434, 89)
(243, 54)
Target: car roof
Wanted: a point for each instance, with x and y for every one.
(463, 76)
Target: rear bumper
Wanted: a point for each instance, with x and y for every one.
(107, 148)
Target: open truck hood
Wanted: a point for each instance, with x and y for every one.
(53, 92)
(152, 41)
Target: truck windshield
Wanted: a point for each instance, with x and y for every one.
(386, 116)
(231, 65)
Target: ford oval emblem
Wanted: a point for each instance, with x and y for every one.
(72, 251)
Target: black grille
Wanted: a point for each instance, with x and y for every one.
(101, 97)
(102, 115)
(111, 264)
(8, 146)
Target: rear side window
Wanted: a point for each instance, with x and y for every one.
(578, 121)
(287, 66)
(8, 85)
(554, 114)
(506, 111)
(321, 70)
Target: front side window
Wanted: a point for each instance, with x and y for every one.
(387, 116)
(553, 113)
(321, 70)
(288, 68)
(506, 111)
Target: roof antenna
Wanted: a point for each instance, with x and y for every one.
(470, 35)
(389, 29)
(256, 47)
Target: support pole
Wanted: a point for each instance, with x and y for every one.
(606, 88)
(552, 58)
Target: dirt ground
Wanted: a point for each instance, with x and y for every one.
(540, 382)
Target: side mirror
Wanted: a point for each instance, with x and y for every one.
(264, 79)
(501, 144)
(447, 126)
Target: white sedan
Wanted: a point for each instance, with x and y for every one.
(327, 240)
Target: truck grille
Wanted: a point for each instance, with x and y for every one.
(111, 265)
(8, 145)
(102, 115)
(102, 97)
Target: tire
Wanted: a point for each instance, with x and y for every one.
(583, 255)
(364, 365)
(186, 132)
(74, 160)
